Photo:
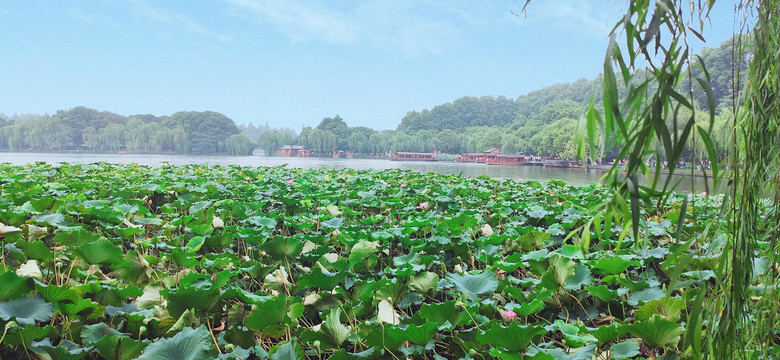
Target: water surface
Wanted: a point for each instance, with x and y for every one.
(571, 176)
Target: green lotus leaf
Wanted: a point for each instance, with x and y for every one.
(441, 313)
(189, 344)
(581, 278)
(200, 205)
(134, 268)
(82, 308)
(333, 223)
(656, 332)
(571, 334)
(362, 251)
(537, 212)
(533, 240)
(26, 311)
(668, 307)
(646, 295)
(195, 243)
(560, 269)
(65, 350)
(14, 286)
(183, 258)
(342, 354)
(584, 353)
(624, 350)
(100, 252)
(92, 334)
(607, 333)
(515, 337)
(529, 308)
(379, 336)
(602, 292)
(423, 282)
(322, 279)
(55, 219)
(283, 247)
(287, 351)
(201, 229)
(261, 221)
(185, 298)
(268, 313)
(419, 335)
(333, 328)
(483, 283)
(613, 265)
(54, 294)
(76, 237)
(26, 335)
(35, 250)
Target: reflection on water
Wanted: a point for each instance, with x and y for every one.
(571, 176)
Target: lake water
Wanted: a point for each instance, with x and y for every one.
(572, 176)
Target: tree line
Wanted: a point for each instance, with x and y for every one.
(541, 122)
(82, 128)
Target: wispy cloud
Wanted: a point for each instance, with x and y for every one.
(298, 21)
(173, 22)
(411, 28)
(583, 18)
(93, 18)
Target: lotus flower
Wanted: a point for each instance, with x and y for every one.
(423, 205)
(289, 182)
(508, 315)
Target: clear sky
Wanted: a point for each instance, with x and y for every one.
(291, 63)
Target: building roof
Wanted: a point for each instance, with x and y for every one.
(291, 147)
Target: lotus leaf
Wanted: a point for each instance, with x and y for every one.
(189, 344)
(26, 311)
(483, 283)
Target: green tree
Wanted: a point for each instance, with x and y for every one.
(271, 140)
(238, 144)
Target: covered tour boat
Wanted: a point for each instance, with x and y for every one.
(412, 156)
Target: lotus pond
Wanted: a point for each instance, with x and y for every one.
(195, 262)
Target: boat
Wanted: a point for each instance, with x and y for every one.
(470, 157)
(478, 157)
(412, 156)
(556, 163)
(500, 159)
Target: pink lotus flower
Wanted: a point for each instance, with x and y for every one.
(289, 182)
(703, 193)
(214, 277)
(150, 201)
(508, 314)
(423, 205)
(520, 179)
(403, 185)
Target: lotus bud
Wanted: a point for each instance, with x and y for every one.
(316, 343)
(217, 223)
(141, 330)
(11, 325)
(230, 347)
(472, 352)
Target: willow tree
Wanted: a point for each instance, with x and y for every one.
(648, 62)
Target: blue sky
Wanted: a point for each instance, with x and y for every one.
(291, 63)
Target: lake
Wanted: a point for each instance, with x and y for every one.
(572, 176)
